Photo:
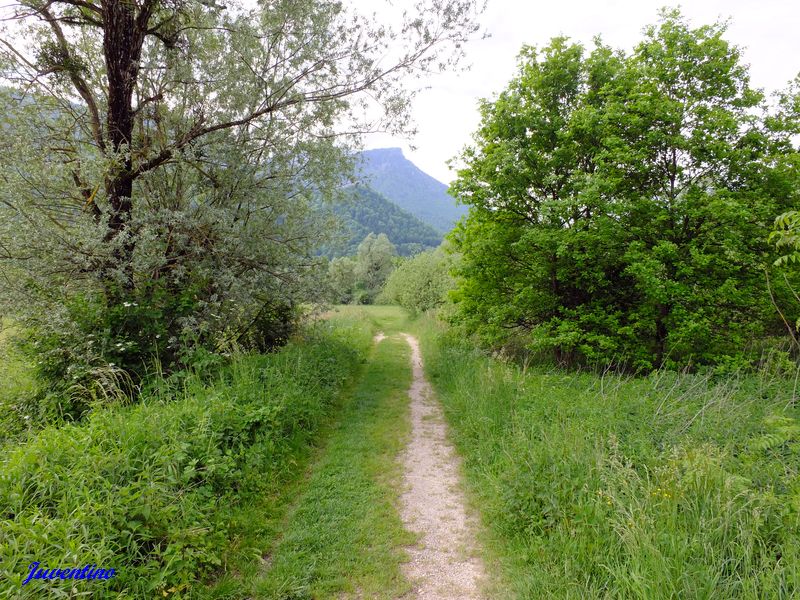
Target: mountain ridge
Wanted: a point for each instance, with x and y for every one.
(391, 174)
(366, 211)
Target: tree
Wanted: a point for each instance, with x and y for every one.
(374, 262)
(164, 154)
(619, 203)
(420, 283)
(341, 273)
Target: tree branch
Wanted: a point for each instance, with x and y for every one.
(77, 81)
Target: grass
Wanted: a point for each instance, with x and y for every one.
(345, 535)
(600, 486)
(170, 491)
(17, 389)
(380, 318)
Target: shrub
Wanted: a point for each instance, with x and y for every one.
(420, 283)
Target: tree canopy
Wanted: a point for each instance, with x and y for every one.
(620, 202)
(163, 157)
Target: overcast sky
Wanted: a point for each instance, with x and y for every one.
(446, 114)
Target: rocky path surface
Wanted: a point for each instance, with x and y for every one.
(444, 565)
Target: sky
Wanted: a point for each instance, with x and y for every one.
(446, 114)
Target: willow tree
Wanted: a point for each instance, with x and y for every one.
(158, 156)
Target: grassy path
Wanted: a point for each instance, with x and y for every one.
(344, 537)
(380, 514)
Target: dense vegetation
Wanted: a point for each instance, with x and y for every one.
(393, 176)
(368, 212)
(420, 283)
(158, 186)
(162, 490)
(594, 486)
(620, 204)
(18, 389)
(359, 279)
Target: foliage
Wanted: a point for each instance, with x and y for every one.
(600, 485)
(389, 173)
(787, 241)
(359, 279)
(368, 212)
(374, 262)
(619, 203)
(786, 236)
(420, 283)
(153, 489)
(167, 155)
(17, 389)
(342, 279)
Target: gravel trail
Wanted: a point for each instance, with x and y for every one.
(444, 565)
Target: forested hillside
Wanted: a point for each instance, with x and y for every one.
(367, 212)
(395, 177)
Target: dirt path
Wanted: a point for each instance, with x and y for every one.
(444, 564)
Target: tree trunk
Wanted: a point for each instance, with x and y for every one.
(123, 37)
(661, 333)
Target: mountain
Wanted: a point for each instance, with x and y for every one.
(395, 177)
(369, 212)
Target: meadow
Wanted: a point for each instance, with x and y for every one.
(596, 485)
(277, 477)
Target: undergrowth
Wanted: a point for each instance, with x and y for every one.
(150, 489)
(17, 389)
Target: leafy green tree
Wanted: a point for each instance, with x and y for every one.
(619, 203)
(163, 157)
(786, 236)
(342, 277)
(374, 261)
(420, 283)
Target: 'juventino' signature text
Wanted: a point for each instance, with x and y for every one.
(87, 572)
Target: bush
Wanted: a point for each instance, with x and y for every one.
(100, 347)
(420, 283)
(149, 489)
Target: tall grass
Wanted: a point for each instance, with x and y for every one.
(17, 389)
(153, 490)
(597, 485)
